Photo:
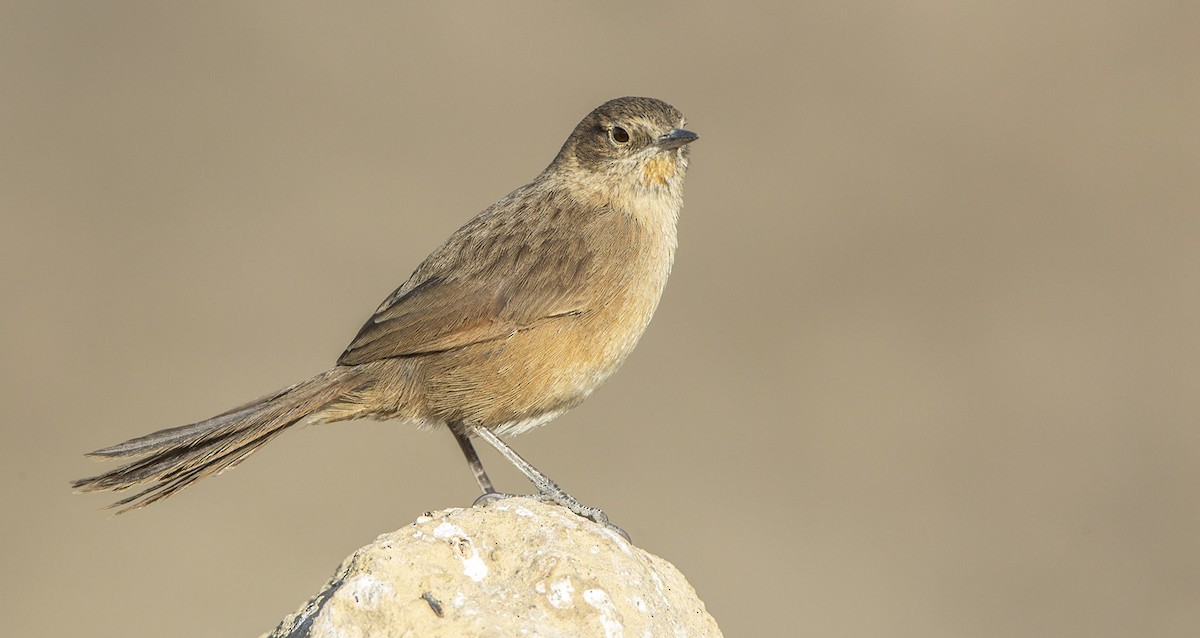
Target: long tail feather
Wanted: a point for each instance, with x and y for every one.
(178, 457)
(184, 433)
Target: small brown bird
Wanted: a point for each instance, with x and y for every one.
(512, 321)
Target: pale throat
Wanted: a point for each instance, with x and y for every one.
(658, 193)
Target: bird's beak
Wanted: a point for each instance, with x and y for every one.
(676, 138)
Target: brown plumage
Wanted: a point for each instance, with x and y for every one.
(516, 318)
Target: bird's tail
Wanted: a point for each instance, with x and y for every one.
(174, 458)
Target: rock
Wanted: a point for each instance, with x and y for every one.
(518, 567)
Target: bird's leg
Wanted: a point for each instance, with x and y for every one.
(548, 488)
(468, 450)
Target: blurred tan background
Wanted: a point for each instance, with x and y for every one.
(928, 364)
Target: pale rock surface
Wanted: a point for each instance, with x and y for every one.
(518, 567)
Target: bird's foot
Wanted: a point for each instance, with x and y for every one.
(594, 514)
(487, 498)
(558, 497)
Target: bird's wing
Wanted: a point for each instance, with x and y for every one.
(477, 287)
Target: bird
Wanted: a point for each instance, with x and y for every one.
(516, 318)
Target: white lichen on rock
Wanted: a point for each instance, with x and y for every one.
(517, 567)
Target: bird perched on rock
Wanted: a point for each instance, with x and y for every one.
(512, 321)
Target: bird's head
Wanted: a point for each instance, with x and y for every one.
(628, 147)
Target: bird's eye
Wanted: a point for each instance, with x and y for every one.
(618, 135)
